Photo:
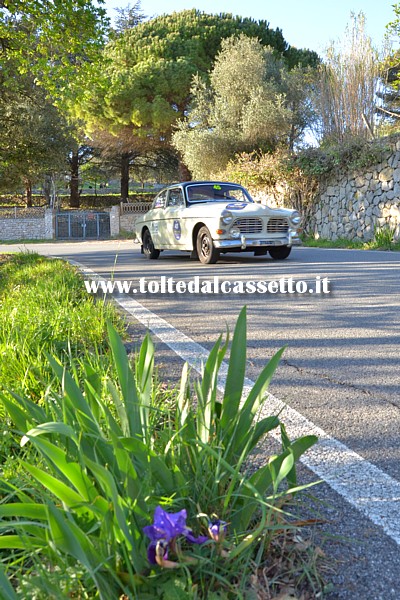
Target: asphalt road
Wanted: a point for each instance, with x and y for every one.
(340, 369)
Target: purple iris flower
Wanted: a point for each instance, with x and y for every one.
(217, 530)
(165, 529)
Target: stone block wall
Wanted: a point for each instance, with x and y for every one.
(354, 205)
(26, 224)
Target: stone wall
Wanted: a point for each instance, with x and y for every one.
(129, 212)
(26, 224)
(354, 205)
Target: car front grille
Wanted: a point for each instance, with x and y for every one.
(249, 225)
(277, 225)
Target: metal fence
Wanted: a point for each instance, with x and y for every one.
(22, 212)
(82, 225)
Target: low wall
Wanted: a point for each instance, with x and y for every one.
(355, 205)
(26, 224)
(129, 212)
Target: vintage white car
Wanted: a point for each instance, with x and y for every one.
(208, 218)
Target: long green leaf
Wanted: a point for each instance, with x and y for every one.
(126, 381)
(20, 417)
(50, 427)
(7, 591)
(71, 471)
(236, 373)
(36, 412)
(62, 491)
(110, 490)
(24, 510)
(207, 393)
(74, 397)
(242, 431)
(286, 445)
(8, 542)
(70, 539)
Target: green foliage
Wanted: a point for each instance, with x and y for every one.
(257, 171)
(54, 41)
(146, 77)
(384, 238)
(355, 153)
(98, 468)
(34, 137)
(253, 102)
(44, 308)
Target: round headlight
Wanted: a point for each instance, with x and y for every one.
(295, 218)
(226, 217)
(235, 232)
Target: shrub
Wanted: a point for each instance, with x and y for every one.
(98, 470)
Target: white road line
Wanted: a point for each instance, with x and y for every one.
(362, 484)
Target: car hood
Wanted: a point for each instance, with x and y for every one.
(238, 209)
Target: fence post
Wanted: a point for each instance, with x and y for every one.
(114, 221)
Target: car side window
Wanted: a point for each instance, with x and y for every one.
(159, 201)
(175, 198)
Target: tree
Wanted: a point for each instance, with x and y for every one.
(130, 154)
(128, 17)
(346, 98)
(34, 139)
(54, 40)
(57, 43)
(145, 81)
(389, 92)
(253, 101)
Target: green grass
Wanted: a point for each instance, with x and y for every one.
(44, 308)
(383, 240)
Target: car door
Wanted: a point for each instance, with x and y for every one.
(155, 219)
(173, 222)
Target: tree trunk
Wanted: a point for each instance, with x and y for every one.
(183, 171)
(125, 177)
(74, 199)
(28, 189)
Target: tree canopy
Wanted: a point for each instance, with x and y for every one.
(147, 75)
(348, 83)
(34, 139)
(54, 40)
(252, 101)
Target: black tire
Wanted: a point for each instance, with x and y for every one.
(280, 252)
(148, 247)
(206, 251)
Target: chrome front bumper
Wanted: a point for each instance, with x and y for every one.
(291, 240)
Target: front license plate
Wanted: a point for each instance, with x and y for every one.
(268, 243)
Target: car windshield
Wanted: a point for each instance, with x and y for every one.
(217, 192)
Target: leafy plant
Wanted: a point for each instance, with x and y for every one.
(98, 469)
(383, 238)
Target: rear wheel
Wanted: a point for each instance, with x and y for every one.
(280, 252)
(148, 247)
(206, 251)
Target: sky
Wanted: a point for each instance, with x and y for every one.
(309, 24)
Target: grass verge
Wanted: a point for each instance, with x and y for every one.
(44, 309)
(383, 240)
(123, 492)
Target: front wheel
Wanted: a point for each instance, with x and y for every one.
(280, 252)
(148, 247)
(206, 251)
